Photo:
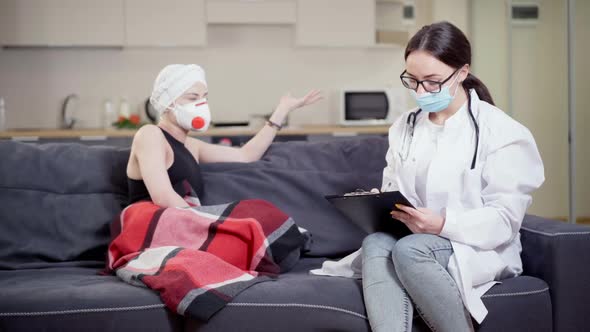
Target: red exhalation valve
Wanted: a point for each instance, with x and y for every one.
(198, 122)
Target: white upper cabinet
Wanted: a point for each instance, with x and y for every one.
(153, 23)
(165, 23)
(61, 23)
(251, 11)
(22, 22)
(335, 23)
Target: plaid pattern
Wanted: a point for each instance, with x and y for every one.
(199, 258)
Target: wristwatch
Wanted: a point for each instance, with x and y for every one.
(274, 125)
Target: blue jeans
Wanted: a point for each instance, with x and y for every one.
(400, 275)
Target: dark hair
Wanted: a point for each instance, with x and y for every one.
(448, 44)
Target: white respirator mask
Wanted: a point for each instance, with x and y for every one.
(193, 115)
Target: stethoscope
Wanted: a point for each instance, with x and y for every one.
(411, 124)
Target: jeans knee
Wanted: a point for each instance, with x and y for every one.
(378, 244)
(404, 253)
(416, 248)
(409, 250)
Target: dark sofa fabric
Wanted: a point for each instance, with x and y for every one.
(518, 304)
(297, 301)
(296, 176)
(57, 200)
(559, 253)
(78, 299)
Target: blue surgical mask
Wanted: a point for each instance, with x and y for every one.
(435, 102)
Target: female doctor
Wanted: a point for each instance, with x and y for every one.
(469, 169)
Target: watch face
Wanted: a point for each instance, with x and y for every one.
(150, 111)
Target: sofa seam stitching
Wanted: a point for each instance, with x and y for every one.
(47, 191)
(80, 311)
(301, 305)
(554, 234)
(516, 293)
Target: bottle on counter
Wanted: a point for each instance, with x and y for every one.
(124, 108)
(2, 115)
(109, 116)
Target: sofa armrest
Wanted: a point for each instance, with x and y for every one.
(559, 253)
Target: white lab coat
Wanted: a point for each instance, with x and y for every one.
(483, 207)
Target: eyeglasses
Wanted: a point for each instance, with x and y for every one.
(428, 85)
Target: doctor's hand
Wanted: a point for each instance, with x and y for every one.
(419, 221)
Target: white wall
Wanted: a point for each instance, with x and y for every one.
(454, 11)
(539, 76)
(539, 89)
(582, 54)
(489, 48)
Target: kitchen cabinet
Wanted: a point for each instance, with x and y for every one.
(251, 12)
(165, 23)
(61, 23)
(22, 22)
(398, 20)
(335, 23)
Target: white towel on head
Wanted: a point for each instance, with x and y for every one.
(172, 82)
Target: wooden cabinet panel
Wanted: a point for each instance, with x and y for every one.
(165, 23)
(336, 23)
(61, 22)
(251, 12)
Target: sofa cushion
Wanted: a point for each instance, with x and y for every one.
(518, 304)
(297, 301)
(301, 302)
(73, 299)
(559, 253)
(296, 176)
(78, 299)
(57, 202)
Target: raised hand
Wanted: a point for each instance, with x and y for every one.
(289, 103)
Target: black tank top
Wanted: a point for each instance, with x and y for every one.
(185, 174)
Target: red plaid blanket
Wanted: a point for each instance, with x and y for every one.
(199, 258)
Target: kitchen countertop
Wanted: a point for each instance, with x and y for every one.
(222, 131)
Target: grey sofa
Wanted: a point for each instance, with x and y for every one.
(57, 201)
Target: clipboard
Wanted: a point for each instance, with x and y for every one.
(371, 211)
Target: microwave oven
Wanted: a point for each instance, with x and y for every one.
(363, 107)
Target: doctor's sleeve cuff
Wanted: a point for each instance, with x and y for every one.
(451, 229)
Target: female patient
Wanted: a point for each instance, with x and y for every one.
(163, 157)
(197, 257)
(470, 170)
